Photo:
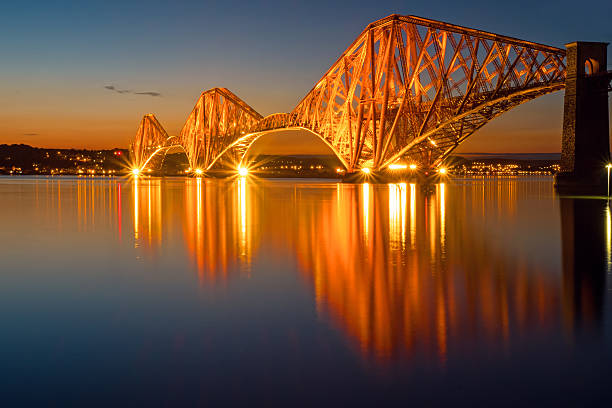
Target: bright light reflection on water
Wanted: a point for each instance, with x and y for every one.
(302, 292)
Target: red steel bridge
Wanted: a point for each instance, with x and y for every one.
(408, 90)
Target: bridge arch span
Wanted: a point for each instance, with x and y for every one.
(156, 159)
(235, 155)
(436, 140)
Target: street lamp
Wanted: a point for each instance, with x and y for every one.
(608, 166)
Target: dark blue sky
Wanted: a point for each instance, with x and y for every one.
(58, 56)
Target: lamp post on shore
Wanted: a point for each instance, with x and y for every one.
(608, 167)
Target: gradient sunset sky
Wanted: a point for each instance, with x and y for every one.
(82, 73)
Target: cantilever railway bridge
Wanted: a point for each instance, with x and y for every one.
(407, 90)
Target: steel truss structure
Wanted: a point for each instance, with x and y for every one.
(217, 120)
(151, 138)
(407, 89)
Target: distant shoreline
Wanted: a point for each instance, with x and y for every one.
(511, 156)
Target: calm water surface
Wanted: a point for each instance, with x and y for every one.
(212, 292)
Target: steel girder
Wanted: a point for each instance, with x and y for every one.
(407, 89)
(217, 120)
(150, 139)
(413, 88)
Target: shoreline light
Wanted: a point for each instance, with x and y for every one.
(135, 171)
(243, 171)
(442, 170)
(366, 170)
(199, 172)
(413, 166)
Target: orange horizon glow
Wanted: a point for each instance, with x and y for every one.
(60, 130)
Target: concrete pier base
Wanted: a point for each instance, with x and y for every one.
(586, 140)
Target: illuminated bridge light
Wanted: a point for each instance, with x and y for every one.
(199, 172)
(413, 166)
(442, 170)
(135, 171)
(397, 166)
(366, 170)
(243, 171)
(206, 144)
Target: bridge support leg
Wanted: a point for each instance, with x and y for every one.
(586, 141)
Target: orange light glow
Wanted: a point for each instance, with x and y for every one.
(243, 171)
(397, 166)
(357, 266)
(328, 109)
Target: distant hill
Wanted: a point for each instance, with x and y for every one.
(25, 159)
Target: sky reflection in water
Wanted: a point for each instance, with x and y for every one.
(183, 290)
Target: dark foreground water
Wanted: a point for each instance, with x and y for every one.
(205, 292)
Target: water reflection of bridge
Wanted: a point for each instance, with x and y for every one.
(402, 272)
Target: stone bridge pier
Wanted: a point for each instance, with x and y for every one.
(585, 148)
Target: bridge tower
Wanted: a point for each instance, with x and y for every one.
(585, 147)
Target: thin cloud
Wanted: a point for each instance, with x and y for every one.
(30, 134)
(127, 91)
(121, 91)
(150, 93)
